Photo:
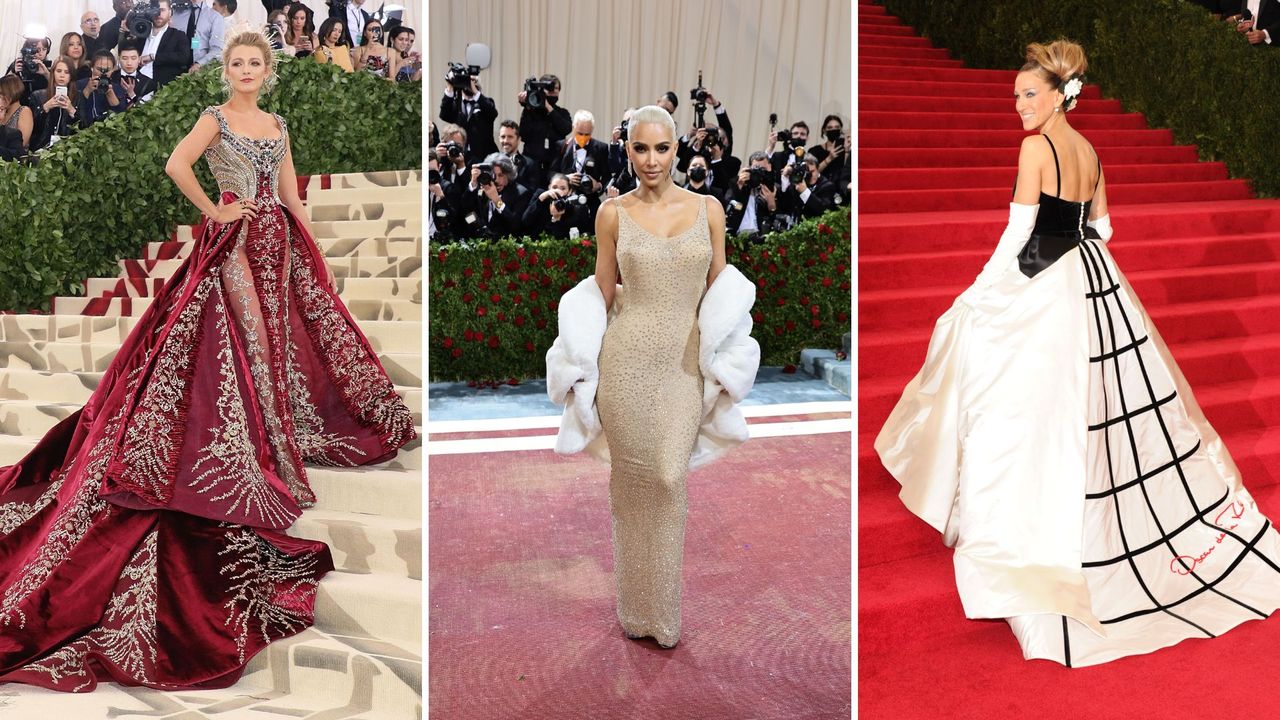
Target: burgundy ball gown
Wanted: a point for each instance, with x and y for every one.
(141, 541)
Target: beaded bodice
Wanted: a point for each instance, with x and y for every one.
(248, 167)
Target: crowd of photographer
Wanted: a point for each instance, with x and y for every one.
(107, 68)
(549, 173)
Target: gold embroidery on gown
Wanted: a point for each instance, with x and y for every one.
(650, 403)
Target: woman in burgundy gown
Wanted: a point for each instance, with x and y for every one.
(142, 540)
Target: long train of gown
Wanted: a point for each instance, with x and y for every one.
(141, 539)
(1052, 439)
(650, 402)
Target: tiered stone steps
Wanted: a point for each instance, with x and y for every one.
(363, 657)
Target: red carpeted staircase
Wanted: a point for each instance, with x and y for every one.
(938, 146)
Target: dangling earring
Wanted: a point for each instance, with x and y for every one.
(270, 83)
(226, 87)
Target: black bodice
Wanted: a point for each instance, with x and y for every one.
(1060, 226)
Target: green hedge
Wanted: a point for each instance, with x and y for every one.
(102, 194)
(1167, 59)
(493, 304)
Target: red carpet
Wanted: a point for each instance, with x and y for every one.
(938, 147)
(522, 621)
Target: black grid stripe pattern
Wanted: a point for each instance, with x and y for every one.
(1102, 284)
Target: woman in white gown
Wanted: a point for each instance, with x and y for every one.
(1053, 441)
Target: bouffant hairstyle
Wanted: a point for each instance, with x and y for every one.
(254, 39)
(1056, 63)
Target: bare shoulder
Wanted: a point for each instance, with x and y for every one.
(607, 215)
(1033, 147)
(715, 211)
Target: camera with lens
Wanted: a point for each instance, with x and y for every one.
(699, 97)
(758, 176)
(454, 150)
(433, 177)
(536, 92)
(623, 128)
(29, 61)
(459, 76)
(104, 81)
(790, 140)
(486, 174)
(272, 33)
(141, 18)
(563, 202)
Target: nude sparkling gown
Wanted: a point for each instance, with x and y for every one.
(650, 403)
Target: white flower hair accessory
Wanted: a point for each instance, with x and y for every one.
(1071, 90)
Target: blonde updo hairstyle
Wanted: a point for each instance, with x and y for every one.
(653, 114)
(1057, 63)
(254, 39)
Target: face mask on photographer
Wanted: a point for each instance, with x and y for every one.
(553, 99)
(582, 139)
(697, 173)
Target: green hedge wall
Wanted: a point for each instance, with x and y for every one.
(1167, 59)
(493, 304)
(101, 194)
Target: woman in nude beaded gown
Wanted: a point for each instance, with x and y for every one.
(651, 389)
(142, 540)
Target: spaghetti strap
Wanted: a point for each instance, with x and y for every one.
(1098, 179)
(1056, 168)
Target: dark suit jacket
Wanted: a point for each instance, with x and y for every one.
(1268, 17)
(173, 56)
(142, 88)
(597, 164)
(706, 189)
(499, 224)
(56, 121)
(528, 172)
(735, 208)
(537, 218)
(724, 173)
(821, 199)
(479, 125)
(780, 158)
(541, 130)
(109, 36)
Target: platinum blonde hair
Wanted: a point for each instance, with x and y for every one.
(653, 114)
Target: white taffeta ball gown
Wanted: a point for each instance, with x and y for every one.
(1052, 440)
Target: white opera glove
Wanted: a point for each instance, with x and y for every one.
(1022, 220)
(1102, 226)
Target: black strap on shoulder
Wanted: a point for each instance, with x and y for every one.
(1056, 169)
(1099, 178)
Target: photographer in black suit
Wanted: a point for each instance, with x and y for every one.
(474, 112)
(545, 123)
(494, 203)
(805, 192)
(166, 52)
(584, 159)
(752, 205)
(1263, 25)
(111, 34)
(719, 127)
(136, 86)
(528, 172)
(792, 151)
